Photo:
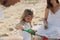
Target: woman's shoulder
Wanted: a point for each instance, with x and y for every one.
(47, 10)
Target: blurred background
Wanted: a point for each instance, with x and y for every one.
(13, 10)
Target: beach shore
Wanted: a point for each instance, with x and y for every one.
(12, 14)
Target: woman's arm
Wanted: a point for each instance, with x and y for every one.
(45, 18)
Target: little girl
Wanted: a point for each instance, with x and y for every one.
(25, 24)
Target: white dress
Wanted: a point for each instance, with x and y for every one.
(53, 30)
(25, 35)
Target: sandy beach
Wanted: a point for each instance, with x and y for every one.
(12, 14)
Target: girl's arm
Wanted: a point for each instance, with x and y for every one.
(45, 18)
(19, 27)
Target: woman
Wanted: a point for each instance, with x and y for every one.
(51, 27)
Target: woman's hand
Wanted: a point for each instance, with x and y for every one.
(46, 26)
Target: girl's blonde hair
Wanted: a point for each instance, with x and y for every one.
(26, 13)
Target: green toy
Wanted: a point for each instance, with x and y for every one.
(30, 31)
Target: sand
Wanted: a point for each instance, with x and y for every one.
(12, 14)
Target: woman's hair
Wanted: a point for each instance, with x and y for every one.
(49, 4)
(26, 13)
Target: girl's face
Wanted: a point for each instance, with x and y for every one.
(28, 18)
(53, 2)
